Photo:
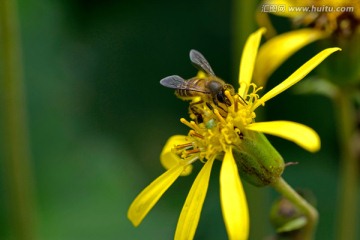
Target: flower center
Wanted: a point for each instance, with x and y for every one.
(216, 133)
(343, 21)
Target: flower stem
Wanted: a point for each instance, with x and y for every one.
(17, 174)
(310, 212)
(349, 167)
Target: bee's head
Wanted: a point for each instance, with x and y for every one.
(218, 89)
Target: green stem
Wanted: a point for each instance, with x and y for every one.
(17, 170)
(349, 166)
(310, 212)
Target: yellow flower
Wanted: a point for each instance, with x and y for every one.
(228, 139)
(334, 20)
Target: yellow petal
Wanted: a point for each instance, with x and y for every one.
(299, 74)
(248, 60)
(144, 202)
(298, 133)
(276, 50)
(190, 213)
(233, 200)
(167, 157)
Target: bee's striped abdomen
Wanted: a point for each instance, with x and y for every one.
(191, 88)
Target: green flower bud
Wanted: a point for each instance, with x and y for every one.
(285, 217)
(258, 161)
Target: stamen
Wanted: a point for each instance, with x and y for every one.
(195, 134)
(237, 130)
(227, 136)
(236, 104)
(192, 151)
(184, 121)
(228, 95)
(185, 145)
(191, 160)
(221, 119)
(190, 124)
(195, 126)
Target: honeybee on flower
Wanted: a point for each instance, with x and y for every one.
(205, 88)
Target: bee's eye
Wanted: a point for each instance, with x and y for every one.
(221, 97)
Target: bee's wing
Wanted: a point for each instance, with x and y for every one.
(177, 82)
(200, 62)
(173, 81)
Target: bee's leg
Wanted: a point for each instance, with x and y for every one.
(199, 118)
(223, 112)
(209, 106)
(216, 102)
(227, 101)
(196, 111)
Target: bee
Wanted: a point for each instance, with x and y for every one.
(209, 89)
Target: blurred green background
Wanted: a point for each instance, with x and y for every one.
(98, 117)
